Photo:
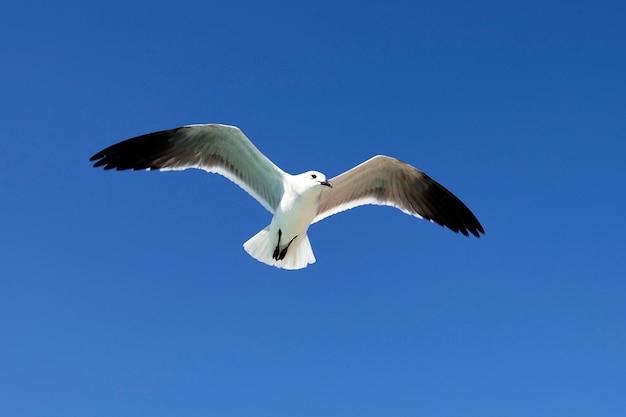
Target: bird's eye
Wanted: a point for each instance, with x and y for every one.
(313, 176)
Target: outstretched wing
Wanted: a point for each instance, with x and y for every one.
(387, 181)
(221, 149)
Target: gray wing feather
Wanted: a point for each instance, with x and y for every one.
(387, 181)
(220, 149)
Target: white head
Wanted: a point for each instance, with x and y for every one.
(313, 180)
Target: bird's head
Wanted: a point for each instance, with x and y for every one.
(316, 178)
(311, 181)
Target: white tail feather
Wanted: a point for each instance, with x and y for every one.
(261, 247)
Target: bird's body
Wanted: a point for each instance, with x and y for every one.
(296, 201)
(294, 214)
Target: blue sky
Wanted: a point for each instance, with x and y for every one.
(128, 293)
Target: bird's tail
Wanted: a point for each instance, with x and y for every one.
(261, 247)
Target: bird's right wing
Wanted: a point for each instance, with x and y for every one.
(387, 181)
(221, 149)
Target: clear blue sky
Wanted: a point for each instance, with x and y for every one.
(128, 293)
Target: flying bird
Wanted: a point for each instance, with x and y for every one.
(296, 201)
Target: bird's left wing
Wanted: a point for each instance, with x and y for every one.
(387, 181)
(221, 149)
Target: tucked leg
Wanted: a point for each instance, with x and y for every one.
(277, 250)
(284, 251)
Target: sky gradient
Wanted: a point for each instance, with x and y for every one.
(129, 293)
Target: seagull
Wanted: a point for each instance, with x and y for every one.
(296, 201)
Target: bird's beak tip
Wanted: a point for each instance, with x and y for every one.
(327, 183)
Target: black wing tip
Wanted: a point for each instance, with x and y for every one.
(446, 209)
(468, 225)
(108, 164)
(473, 229)
(137, 153)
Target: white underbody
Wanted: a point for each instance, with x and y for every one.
(292, 218)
